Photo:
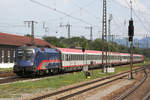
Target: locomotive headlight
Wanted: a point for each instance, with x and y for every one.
(31, 63)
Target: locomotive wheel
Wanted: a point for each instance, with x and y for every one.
(54, 71)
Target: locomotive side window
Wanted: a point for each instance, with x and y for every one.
(20, 54)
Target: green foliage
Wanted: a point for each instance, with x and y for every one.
(79, 42)
(29, 35)
(6, 69)
(146, 52)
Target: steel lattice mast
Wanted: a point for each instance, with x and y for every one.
(104, 30)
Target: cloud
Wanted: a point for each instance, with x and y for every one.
(67, 1)
(137, 5)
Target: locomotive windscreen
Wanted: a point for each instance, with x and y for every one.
(24, 54)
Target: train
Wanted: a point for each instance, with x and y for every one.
(32, 61)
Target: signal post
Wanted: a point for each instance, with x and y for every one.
(131, 34)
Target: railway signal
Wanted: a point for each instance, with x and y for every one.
(131, 30)
(131, 34)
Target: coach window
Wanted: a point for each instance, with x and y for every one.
(66, 57)
(71, 57)
(80, 57)
(98, 57)
(88, 57)
(74, 57)
(0, 55)
(94, 57)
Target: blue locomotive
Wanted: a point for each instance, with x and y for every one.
(30, 60)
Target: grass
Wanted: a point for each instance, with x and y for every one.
(51, 83)
(6, 69)
(17, 89)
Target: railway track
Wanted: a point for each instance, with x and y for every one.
(129, 92)
(12, 79)
(79, 89)
(147, 96)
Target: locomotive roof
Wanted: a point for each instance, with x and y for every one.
(51, 50)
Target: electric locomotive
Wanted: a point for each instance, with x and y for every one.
(30, 60)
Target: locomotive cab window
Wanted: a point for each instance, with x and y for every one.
(24, 54)
(28, 54)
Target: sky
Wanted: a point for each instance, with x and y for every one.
(80, 14)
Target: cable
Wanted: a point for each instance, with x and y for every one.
(61, 12)
(116, 18)
(140, 20)
(78, 10)
(83, 8)
(142, 14)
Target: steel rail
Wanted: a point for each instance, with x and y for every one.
(129, 92)
(84, 84)
(147, 97)
(88, 89)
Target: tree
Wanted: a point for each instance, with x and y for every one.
(29, 35)
(79, 42)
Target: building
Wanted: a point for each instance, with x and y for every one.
(9, 43)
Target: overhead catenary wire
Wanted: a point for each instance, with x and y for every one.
(61, 12)
(140, 20)
(143, 16)
(85, 10)
(77, 11)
